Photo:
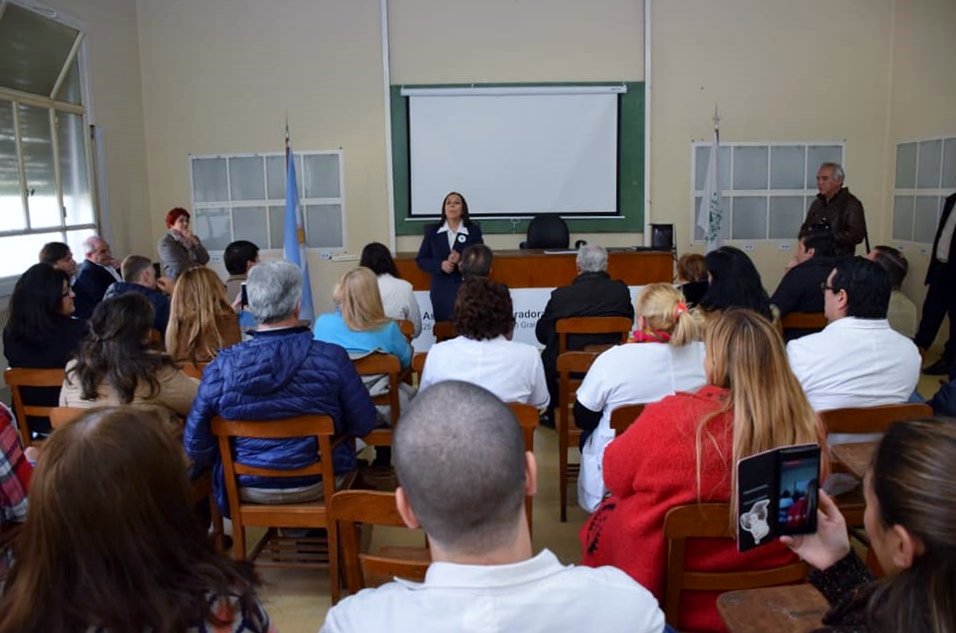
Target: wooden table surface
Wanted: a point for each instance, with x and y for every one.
(788, 609)
(856, 456)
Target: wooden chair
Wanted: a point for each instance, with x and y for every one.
(623, 416)
(804, 321)
(378, 364)
(710, 520)
(570, 366)
(194, 370)
(285, 551)
(591, 325)
(528, 420)
(352, 510)
(444, 330)
(407, 328)
(17, 378)
(418, 366)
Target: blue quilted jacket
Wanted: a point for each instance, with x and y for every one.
(278, 374)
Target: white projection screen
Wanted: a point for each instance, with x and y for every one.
(515, 154)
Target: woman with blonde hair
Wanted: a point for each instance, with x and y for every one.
(665, 355)
(684, 450)
(201, 320)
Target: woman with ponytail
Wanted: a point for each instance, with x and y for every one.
(910, 520)
(665, 355)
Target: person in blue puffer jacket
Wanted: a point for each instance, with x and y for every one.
(280, 373)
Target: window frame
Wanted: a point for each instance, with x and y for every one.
(915, 192)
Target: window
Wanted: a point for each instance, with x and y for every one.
(925, 175)
(45, 154)
(242, 197)
(766, 188)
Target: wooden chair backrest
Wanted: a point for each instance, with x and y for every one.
(64, 415)
(569, 364)
(348, 509)
(444, 330)
(590, 325)
(377, 364)
(623, 416)
(418, 364)
(194, 370)
(16, 378)
(804, 321)
(528, 421)
(407, 328)
(710, 520)
(872, 419)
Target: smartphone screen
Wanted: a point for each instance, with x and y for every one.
(799, 486)
(245, 298)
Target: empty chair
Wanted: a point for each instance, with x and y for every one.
(547, 231)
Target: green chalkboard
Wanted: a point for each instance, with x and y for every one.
(630, 180)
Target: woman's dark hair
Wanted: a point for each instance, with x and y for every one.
(35, 304)
(735, 283)
(913, 481)
(465, 218)
(52, 252)
(116, 349)
(111, 541)
(483, 309)
(377, 258)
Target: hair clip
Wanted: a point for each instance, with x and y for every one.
(680, 309)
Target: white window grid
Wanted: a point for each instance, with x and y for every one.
(729, 195)
(273, 242)
(917, 209)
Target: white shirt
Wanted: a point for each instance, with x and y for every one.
(398, 298)
(539, 595)
(453, 235)
(946, 238)
(512, 371)
(630, 374)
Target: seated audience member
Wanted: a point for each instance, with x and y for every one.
(470, 503)
(902, 311)
(94, 275)
(592, 293)
(239, 257)
(180, 248)
(140, 277)
(111, 542)
(910, 520)
(483, 352)
(201, 321)
(476, 261)
(115, 364)
(734, 283)
(692, 277)
(799, 290)
(667, 356)
(398, 297)
(41, 333)
(684, 450)
(15, 472)
(857, 360)
(59, 255)
(282, 372)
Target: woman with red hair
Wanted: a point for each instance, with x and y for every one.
(180, 248)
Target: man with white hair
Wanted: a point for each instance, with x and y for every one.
(592, 293)
(282, 372)
(95, 275)
(838, 209)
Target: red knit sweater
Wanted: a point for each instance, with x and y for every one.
(653, 468)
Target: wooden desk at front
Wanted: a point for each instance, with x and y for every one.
(535, 269)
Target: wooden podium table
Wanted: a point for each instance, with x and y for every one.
(536, 269)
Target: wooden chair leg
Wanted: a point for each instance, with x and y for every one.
(563, 480)
(218, 530)
(238, 539)
(334, 580)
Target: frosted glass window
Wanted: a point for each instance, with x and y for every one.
(275, 175)
(903, 217)
(321, 176)
(930, 160)
(324, 226)
(276, 226)
(750, 218)
(927, 212)
(213, 226)
(11, 202)
(949, 164)
(246, 178)
(75, 241)
(703, 155)
(787, 164)
(724, 226)
(74, 177)
(906, 165)
(251, 223)
(20, 251)
(70, 90)
(750, 168)
(209, 180)
(786, 216)
(816, 156)
(37, 146)
(33, 50)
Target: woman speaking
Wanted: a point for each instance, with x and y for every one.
(441, 251)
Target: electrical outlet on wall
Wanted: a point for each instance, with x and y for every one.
(749, 247)
(784, 246)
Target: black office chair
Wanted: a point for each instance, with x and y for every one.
(547, 231)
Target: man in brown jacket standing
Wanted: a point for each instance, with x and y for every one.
(837, 208)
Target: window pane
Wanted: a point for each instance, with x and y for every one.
(214, 228)
(903, 218)
(77, 200)
(949, 164)
(276, 224)
(930, 158)
(703, 155)
(275, 168)
(75, 240)
(906, 166)
(37, 143)
(927, 209)
(750, 168)
(786, 167)
(750, 218)
(33, 49)
(246, 178)
(321, 176)
(816, 156)
(209, 180)
(786, 216)
(21, 251)
(324, 226)
(70, 88)
(724, 232)
(251, 224)
(11, 202)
